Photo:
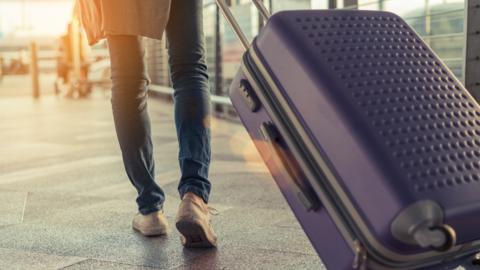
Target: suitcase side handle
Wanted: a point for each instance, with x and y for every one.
(233, 22)
(306, 196)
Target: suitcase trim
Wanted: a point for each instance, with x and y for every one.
(356, 227)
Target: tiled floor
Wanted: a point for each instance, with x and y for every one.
(65, 202)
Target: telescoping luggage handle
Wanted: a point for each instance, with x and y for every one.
(233, 22)
(308, 199)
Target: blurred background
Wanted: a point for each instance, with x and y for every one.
(68, 67)
(38, 36)
(65, 200)
(440, 22)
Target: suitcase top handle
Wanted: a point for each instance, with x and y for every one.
(233, 22)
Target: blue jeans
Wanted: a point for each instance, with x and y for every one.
(191, 101)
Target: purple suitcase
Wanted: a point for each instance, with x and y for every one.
(371, 139)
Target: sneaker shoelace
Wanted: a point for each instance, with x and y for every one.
(213, 211)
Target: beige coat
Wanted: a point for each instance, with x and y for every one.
(146, 18)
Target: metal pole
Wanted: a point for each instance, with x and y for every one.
(76, 50)
(381, 5)
(472, 48)
(1, 68)
(350, 4)
(218, 58)
(261, 21)
(34, 70)
(332, 4)
(428, 26)
(262, 9)
(164, 61)
(233, 22)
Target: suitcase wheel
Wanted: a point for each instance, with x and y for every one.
(422, 224)
(450, 237)
(476, 260)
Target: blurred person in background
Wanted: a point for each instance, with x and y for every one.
(123, 23)
(78, 83)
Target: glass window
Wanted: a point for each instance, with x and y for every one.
(209, 26)
(439, 22)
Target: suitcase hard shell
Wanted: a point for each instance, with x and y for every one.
(318, 226)
(371, 139)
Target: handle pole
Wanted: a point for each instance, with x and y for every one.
(262, 9)
(233, 22)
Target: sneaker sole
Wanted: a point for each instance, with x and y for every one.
(194, 235)
(151, 232)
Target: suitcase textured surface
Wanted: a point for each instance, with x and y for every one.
(393, 127)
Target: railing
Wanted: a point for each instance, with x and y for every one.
(168, 91)
(451, 59)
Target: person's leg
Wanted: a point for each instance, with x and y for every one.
(132, 123)
(191, 96)
(192, 119)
